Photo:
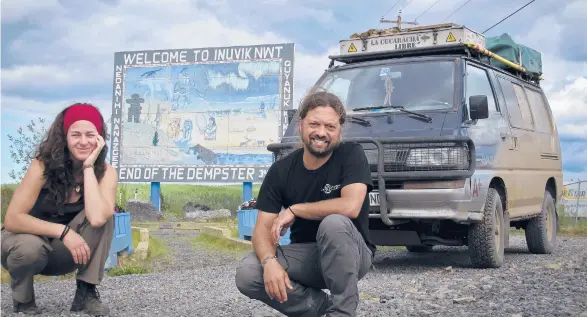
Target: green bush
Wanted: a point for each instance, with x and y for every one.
(6, 193)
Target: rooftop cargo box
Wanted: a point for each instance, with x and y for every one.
(507, 48)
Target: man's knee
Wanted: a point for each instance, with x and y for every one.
(332, 224)
(249, 275)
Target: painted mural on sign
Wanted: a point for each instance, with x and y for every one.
(200, 115)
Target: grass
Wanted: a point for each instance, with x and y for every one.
(218, 244)
(173, 196)
(132, 265)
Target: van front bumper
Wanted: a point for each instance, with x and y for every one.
(450, 204)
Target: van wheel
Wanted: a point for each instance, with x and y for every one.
(541, 230)
(486, 238)
(419, 248)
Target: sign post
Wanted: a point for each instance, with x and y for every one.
(156, 195)
(247, 191)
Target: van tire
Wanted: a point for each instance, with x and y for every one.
(419, 248)
(538, 239)
(483, 249)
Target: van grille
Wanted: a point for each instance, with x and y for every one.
(433, 156)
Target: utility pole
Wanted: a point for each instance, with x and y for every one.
(399, 21)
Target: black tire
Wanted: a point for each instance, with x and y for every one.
(539, 237)
(487, 238)
(419, 248)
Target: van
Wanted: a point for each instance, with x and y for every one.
(461, 141)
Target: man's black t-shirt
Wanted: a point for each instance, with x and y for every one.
(289, 182)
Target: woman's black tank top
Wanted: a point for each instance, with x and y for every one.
(45, 209)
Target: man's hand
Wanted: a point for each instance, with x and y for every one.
(276, 281)
(281, 224)
(77, 246)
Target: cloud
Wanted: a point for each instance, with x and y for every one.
(64, 52)
(28, 108)
(68, 46)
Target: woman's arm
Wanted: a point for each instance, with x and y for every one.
(99, 197)
(17, 218)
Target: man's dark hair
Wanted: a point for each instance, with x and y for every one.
(322, 99)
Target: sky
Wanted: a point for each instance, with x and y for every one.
(56, 52)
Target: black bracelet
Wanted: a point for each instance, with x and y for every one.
(65, 231)
(291, 211)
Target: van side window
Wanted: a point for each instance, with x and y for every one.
(524, 106)
(478, 84)
(517, 120)
(540, 111)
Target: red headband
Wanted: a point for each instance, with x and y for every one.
(82, 112)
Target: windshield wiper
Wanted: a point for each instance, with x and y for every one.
(400, 108)
(358, 120)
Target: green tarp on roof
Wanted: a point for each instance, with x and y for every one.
(505, 47)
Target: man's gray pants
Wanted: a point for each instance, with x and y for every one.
(336, 261)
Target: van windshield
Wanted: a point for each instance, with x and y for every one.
(416, 86)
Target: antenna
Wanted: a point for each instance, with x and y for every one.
(399, 21)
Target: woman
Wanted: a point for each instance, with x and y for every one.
(69, 224)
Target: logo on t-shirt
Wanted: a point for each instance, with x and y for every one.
(330, 188)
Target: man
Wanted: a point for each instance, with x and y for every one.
(322, 188)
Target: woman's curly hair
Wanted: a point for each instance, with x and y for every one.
(60, 173)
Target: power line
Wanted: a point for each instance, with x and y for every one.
(508, 16)
(398, 1)
(426, 10)
(456, 10)
(407, 4)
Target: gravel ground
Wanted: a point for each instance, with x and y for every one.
(184, 256)
(402, 284)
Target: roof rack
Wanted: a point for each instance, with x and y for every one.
(431, 40)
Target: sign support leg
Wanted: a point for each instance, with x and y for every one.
(247, 191)
(156, 195)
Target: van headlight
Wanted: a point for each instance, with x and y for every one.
(450, 157)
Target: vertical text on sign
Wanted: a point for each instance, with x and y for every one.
(116, 118)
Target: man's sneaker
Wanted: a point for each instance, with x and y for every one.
(29, 308)
(87, 299)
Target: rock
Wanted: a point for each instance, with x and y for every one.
(190, 206)
(425, 312)
(517, 315)
(554, 266)
(448, 269)
(142, 210)
(463, 300)
(486, 287)
(201, 212)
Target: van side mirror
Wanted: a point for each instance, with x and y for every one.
(478, 107)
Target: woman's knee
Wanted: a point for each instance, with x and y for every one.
(24, 250)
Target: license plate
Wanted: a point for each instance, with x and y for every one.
(374, 198)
